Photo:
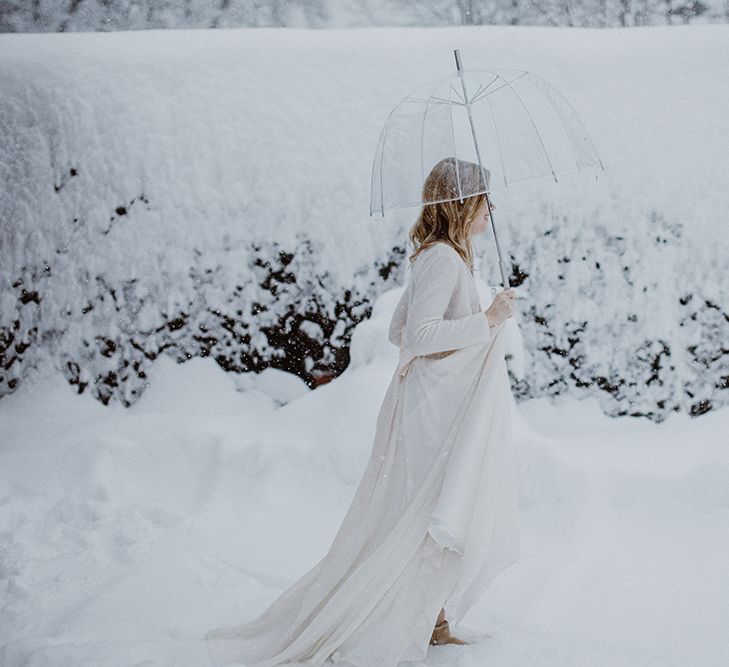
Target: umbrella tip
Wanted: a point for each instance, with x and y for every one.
(457, 54)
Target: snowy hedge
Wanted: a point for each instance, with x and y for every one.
(206, 194)
(623, 317)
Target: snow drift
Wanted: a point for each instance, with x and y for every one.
(126, 533)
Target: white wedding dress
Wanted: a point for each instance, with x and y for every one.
(434, 518)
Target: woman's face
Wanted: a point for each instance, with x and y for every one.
(482, 218)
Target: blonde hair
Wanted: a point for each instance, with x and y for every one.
(447, 219)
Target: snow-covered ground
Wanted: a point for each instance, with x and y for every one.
(126, 533)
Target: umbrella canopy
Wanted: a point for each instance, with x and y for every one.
(510, 122)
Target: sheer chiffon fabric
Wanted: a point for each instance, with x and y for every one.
(434, 518)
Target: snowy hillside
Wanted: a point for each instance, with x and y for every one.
(125, 534)
(205, 193)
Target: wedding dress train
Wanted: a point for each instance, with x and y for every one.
(434, 518)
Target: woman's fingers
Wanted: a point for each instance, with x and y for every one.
(502, 307)
(507, 295)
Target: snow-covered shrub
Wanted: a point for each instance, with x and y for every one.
(706, 326)
(602, 316)
(73, 15)
(157, 197)
(284, 312)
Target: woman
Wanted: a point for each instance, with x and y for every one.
(434, 518)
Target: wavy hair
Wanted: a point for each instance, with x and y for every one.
(447, 219)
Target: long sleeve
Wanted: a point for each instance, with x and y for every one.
(426, 332)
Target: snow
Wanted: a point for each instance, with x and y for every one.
(91, 15)
(143, 175)
(126, 533)
(153, 163)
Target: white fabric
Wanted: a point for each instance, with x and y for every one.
(434, 518)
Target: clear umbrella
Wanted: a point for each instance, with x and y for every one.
(511, 123)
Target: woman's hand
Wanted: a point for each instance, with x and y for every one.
(501, 308)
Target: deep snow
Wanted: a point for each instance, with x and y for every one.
(126, 533)
(213, 141)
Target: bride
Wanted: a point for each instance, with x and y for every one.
(434, 518)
